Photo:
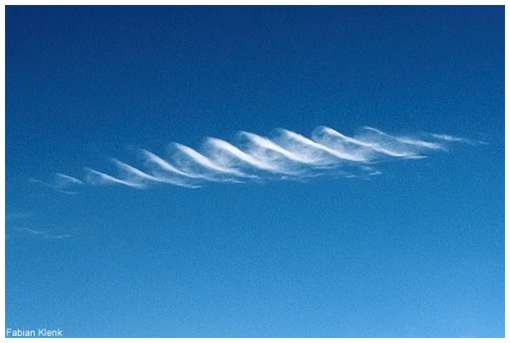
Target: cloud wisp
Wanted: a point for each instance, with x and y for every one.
(61, 183)
(42, 234)
(285, 155)
(16, 229)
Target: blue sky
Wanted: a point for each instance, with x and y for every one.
(333, 250)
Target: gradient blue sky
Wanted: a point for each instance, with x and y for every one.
(414, 252)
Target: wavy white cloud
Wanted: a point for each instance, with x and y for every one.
(252, 157)
(61, 183)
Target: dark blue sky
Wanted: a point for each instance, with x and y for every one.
(416, 251)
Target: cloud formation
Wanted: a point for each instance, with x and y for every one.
(42, 234)
(254, 158)
(60, 183)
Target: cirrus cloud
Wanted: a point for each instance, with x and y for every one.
(251, 157)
